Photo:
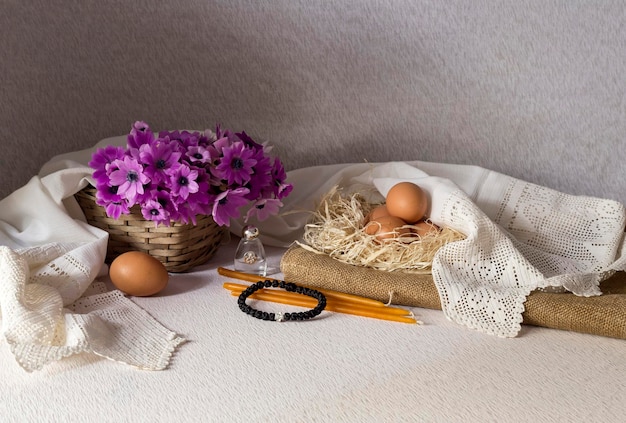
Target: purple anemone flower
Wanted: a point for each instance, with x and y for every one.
(113, 203)
(185, 139)
(116, 209)
(263, 208)
(153, 210)
(107, 194)
(140, 134)
(261, 177)
(198, 154)
(102, 158)
(237, 164)
(159, 160)
(216, 150)
(129, 178)
(165, 199)
(183, 181)
(249, 142)
(227, 205)
(199, 202)
(210, 136)
(281, 189)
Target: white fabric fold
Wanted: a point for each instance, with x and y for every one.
(49, 260)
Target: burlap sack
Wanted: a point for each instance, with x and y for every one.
(603, 315)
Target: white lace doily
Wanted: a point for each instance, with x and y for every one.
(51, 310)
(49, 260)
(535, 238)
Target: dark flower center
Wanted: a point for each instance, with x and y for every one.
(160, 164)
(131, 176)
(260, 206)
(154, 212)
(183, 181)
(223, 201)
(197, 156)
(236, 163)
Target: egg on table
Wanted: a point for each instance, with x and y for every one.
(407, 201)
(138, 274)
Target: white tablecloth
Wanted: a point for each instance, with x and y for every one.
(337, 368)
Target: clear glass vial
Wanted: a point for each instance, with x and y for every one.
(250, 255)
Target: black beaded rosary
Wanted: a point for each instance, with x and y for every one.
(287, 286)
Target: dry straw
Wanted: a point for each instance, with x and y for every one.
(337, 229)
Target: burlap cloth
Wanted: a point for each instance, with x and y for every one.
(603, 315)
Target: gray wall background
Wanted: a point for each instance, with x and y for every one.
(533, 89)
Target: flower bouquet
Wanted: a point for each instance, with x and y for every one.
(171, 194)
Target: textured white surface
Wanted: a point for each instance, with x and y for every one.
(336, 368)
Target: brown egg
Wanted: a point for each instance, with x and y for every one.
(424, 228)
(376, 213)
(386, 227)
(139, 274)
(407, 201)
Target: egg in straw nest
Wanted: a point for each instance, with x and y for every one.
(352, 230)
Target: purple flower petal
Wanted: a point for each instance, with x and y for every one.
(262, 209)
(227, 205)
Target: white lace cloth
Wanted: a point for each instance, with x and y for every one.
(520, 236)
(50, 307)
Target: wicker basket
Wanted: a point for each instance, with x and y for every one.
(179, 247)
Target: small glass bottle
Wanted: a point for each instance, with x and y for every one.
(250, 255)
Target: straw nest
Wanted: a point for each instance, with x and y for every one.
(337, 229)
